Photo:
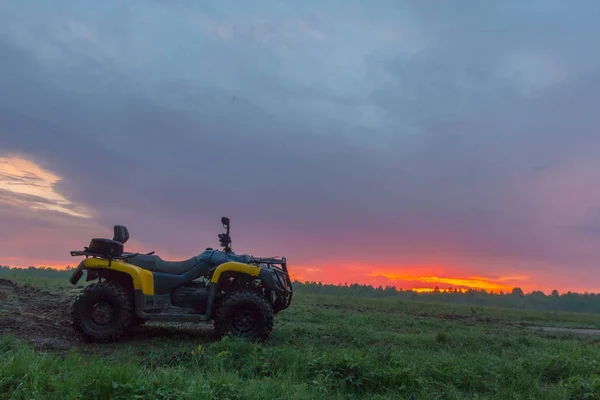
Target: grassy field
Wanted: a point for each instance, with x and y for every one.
(327, 347)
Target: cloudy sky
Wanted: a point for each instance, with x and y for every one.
(409, 143)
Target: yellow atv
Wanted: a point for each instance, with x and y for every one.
(239, 293)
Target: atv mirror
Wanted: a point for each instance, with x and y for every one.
(225, 222)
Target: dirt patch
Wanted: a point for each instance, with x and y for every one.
(468, 319)
(36, 315)
(41, 317)
(572, 331)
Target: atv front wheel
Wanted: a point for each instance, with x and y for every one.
(245, 314)
(102, 313)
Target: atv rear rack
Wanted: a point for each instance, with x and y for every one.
(87, 254)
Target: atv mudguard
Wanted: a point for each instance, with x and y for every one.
(271, 279)
(233, 266)
(142, 279)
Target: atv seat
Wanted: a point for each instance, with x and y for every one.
(157, 264)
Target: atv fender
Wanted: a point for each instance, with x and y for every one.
(142, 280)
(233, 266)
(269, 277)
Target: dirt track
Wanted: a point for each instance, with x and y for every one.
(580, 331)
(42, 318)
(36, 315)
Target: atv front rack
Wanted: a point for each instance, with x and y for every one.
(270, 261)
(282, 274)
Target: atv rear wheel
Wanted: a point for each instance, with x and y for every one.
(245, 314)
(102, 313)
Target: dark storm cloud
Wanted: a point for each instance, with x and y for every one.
(409, 132)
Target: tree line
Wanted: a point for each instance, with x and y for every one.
(34, 272)
(517, 298)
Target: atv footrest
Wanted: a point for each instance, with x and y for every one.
(175, 317)
(171, 311)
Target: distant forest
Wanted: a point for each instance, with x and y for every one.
(536, 300)
(7, 272)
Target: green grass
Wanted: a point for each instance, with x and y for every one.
(449, 310)
(330, 347)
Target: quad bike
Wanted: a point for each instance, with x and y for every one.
(239, 293)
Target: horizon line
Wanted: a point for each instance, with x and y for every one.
(421, 290)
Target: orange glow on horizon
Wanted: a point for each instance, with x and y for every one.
(473, 282)
(417, 278)
(337, 275)
(53, 265)
(423, 290)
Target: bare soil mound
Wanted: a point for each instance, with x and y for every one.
(41, 317)
(36, 315)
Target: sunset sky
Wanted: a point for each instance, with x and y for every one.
(415, 143)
